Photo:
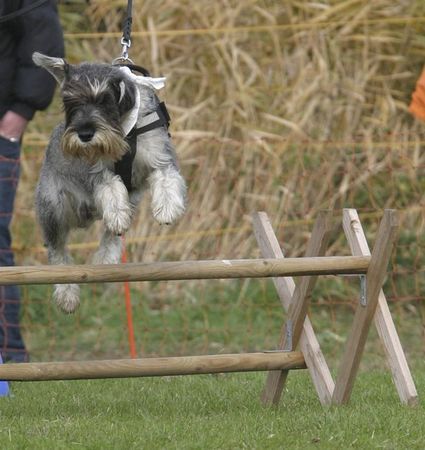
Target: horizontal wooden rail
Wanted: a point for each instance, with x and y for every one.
(151, 367)
(184, 270)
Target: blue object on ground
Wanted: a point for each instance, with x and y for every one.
(4, 385)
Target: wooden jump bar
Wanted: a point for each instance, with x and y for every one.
(152, 367)
(184, 270)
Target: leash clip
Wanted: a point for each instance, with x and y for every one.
(126, 44)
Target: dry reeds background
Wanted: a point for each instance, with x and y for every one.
(288, 107)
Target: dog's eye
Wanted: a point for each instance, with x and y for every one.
(103, 98)
(70, 101)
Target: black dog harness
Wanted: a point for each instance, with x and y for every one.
(156, 119)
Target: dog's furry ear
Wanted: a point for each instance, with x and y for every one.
(126, 95)
(58, 67)
(128, 98)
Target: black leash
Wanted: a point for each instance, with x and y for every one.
(126, 35)
(22, 11)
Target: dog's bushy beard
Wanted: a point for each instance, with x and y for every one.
(108, 143)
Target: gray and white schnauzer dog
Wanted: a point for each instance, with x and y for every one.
(113, 145)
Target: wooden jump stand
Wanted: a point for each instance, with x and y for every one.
(294, 298)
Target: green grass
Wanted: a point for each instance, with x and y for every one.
(207, 412)
(208, 317)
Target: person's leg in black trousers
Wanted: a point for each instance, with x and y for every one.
(12, 346)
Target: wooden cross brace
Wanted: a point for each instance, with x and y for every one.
(295, 300)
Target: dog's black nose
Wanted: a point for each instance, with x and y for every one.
(86, 134)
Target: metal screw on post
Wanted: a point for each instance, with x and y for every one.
(289, 334)
(363, 297)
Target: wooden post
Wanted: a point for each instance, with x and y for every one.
(285, 287)
(364, 314)
(182, 270)
(298, 307)
(383, 321)
(152, 367)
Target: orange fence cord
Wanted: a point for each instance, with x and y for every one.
(129, 311)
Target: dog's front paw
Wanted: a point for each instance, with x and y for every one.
(67, 297)
(167, 211)
(168, 196)
(117, 221)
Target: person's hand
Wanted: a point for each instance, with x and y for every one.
(12, 126)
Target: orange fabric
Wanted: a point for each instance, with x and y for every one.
(417, 106)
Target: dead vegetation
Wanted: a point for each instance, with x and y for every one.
(288, 107)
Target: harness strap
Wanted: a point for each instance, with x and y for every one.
(134, 68)
(156, 119)
(124, 166)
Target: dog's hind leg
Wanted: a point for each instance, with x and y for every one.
(110, 249)
(168, 190)
(55, 231)
(66, 296)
